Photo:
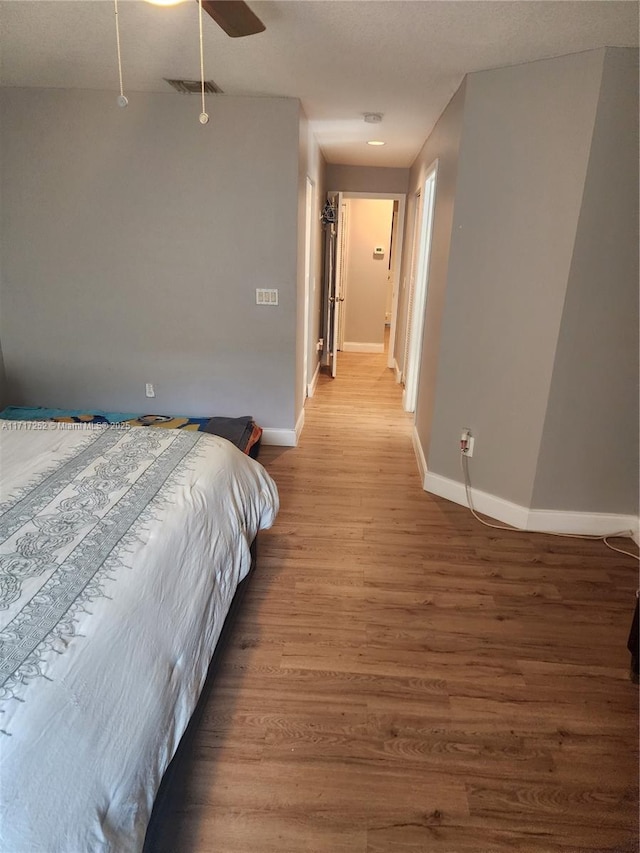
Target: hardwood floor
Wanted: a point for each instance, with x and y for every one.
(400, 678)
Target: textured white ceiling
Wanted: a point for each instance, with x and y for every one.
(342, 59)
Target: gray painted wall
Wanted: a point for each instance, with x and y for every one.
(589, 451)
(366, 179)
(132, 244)
(4, 400)
(523, 160)
(442, 145)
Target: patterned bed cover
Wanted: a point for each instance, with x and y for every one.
(120, 551)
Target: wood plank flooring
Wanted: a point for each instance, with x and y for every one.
(400, 678)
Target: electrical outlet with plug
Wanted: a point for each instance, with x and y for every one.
(467, 442)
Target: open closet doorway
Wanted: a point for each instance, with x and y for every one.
(364, 296)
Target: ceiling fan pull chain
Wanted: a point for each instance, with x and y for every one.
(204, 118)
(122, 100)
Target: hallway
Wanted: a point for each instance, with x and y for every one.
(400, 678)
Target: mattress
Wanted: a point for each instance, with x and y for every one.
(120, 551)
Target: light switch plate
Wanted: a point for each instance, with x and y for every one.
(266, 296)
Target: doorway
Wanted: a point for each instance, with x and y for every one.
(362, 290)
(365, 261)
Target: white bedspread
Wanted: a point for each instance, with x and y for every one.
(120, 551)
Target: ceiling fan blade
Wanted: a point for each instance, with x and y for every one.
(234, 16)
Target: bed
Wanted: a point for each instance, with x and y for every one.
(120, 551)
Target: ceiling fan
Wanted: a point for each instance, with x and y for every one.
(234, 16)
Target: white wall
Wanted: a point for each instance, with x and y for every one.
(132, 244)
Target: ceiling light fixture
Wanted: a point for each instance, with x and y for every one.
(165, 2)
(373, 118)
(376, 142)
(122, 99)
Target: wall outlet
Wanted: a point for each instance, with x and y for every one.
(466, 442)
(320, 345)
(150, 390)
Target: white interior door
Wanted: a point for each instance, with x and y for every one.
(307, 285)
(341, 265)
(396, 259)
(425, 205)
(336, 298)
(415, 254)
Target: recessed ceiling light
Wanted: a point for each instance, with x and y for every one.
(376, 142)
(165, 2)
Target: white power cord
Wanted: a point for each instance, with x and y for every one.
(204, 117)
(122, 98)
(467, 487)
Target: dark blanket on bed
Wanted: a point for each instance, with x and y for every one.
(239, 431)
(243, 431)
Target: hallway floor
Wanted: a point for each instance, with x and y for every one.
(400, 678)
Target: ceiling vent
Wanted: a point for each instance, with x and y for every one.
(194, 87)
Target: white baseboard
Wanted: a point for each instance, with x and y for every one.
(534, 520)
(398, 372)
(636, 532)
(279, 437)
(419, 452)
(352, 346)
(283, 437)
(587, 523)
(483, 502)
(311, 387)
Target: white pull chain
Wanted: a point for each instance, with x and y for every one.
(204, 118)
(121, 100)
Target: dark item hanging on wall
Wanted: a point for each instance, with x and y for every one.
(329, 213)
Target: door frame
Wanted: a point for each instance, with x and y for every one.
(342, 261)
(308, 267)
(401, 198)
(421, 262)
(329, 286)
